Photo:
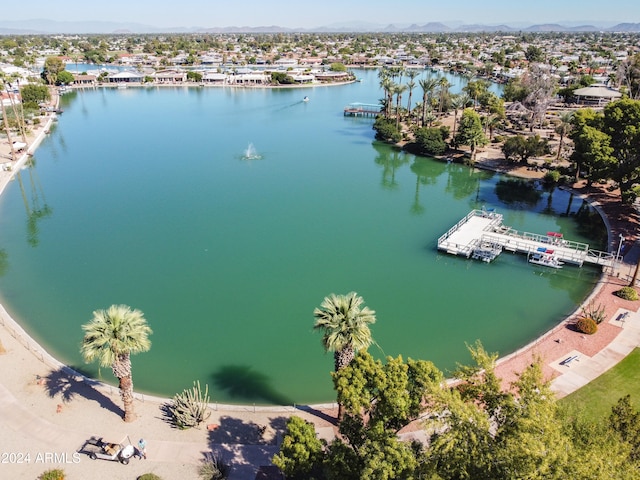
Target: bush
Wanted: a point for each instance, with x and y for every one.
(149, 476)
(628, 293)
(386, 130)
(551, 177)
(430, 142)
(595, 312)
(56, 474)
(587, 325)
(213, 468)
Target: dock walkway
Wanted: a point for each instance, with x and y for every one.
(362, 110)
(481, 228)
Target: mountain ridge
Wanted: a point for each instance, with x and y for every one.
(47, 27)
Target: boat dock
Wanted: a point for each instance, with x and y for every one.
(362, 110)
(481, 235)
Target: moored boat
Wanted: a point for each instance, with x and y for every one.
(545, 258)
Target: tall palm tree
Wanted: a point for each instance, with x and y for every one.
(443, 92)
(345, 324)
(111, 337)
(428, 85)
(412, 74)
(563, 129)
(458, 102)
(398, 90)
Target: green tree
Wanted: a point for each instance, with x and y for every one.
(338, 67)
(429, 141)
(52, 67)
(194, 76)
(386, 130)
(64, 78)
(111, 337)
(483, 432)
(379, 399)
(301, 452)
(593, 154)
(621, 122)
(33, 94)
(470, 132)
(521, 148)
(625, 421)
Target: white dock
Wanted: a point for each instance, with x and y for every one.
(484, 227)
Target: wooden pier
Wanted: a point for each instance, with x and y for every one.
(362, 110)
(472, 235)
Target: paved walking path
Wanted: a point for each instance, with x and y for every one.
(582, 369)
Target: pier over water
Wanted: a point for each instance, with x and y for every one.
(482, 235)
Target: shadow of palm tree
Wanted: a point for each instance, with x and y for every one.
(68, 384)
(245, 384)
(333, 420)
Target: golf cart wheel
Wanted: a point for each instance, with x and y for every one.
(124, 461)
(93, 456)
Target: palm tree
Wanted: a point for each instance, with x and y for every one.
(398, 90)
(562, 129)
(443, 91)
(457, 102)
(428, 85)
(412, 74)
(110, 338)
(386, 84)
(345, 323)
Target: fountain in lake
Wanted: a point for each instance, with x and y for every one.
(251, 154)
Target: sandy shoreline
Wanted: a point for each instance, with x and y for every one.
(47, 411)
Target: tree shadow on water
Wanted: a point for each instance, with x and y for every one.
(242, 383)
(68, 384)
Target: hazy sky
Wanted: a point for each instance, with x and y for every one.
(305, 14)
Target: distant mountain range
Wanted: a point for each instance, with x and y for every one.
(45, 27)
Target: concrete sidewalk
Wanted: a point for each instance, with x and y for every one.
(581, 369)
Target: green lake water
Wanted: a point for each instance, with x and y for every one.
(143, 196)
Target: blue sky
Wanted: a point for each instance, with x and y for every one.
(306, 14)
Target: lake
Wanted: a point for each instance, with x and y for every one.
(146, 197)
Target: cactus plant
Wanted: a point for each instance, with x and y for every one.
(189, 408)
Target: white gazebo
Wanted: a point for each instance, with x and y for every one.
(596, 95)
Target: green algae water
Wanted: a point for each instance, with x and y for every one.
(226, 215)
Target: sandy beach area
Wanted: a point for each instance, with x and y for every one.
(47, 412)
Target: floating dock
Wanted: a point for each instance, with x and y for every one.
(362, 110)
(481, 235)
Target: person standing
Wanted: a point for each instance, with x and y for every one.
(142, 448)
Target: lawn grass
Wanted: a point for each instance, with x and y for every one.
(595, 399)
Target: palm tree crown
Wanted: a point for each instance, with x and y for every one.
(345, 323)
(113, 332)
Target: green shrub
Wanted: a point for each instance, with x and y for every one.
(149, 476)
(386, 130)
(56, 474)
(587, 325)
(551, 177)
(628, 293)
